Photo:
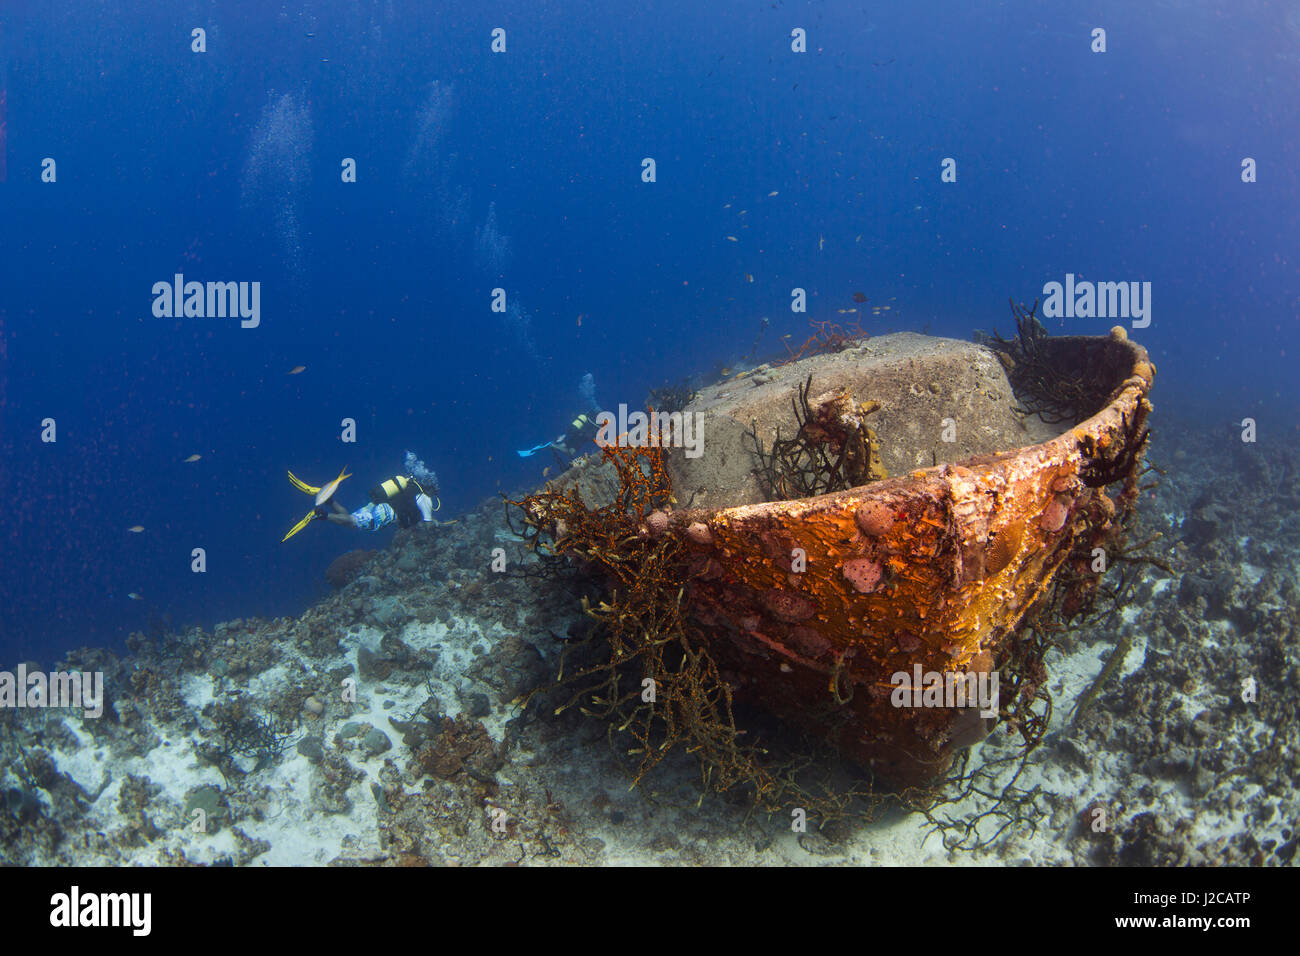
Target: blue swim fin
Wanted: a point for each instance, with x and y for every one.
(533, 451)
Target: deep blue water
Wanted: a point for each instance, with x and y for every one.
(522, 170)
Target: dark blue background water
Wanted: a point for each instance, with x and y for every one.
(226, 166)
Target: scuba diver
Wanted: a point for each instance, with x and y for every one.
(581, 431)
(400, 498)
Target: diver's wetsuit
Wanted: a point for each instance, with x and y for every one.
(393, 500)
(372, 517)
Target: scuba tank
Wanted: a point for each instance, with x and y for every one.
(386, 491)
(399, 493)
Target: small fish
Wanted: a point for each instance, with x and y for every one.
(580, 315)
(859, 297)
(297, 368)
(136, 528)
(546, 471)
(742, 212)
(727, 206)
(859, 239)
(841, 311)
(192, 458)
(133, 596)
(773, 193)
(821, 243)
(326, 493)
(732, 239)
(885, 307)
(749, 277)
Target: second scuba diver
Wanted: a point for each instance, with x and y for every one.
(581, 431)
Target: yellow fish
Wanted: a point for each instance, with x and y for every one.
(297, 368)
(192, 458)
(323, 494)
(136, 528)
(732, 239)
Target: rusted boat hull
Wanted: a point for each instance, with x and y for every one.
(815, 605)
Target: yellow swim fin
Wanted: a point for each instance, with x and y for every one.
(299, 526)
(302, 485)
(322, 494)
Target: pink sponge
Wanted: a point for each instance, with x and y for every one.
(863, 573)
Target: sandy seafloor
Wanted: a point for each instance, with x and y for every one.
(1187, 772)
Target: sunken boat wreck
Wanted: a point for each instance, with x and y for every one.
(886, 509)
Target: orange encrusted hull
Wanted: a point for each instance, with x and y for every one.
(815, 604)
